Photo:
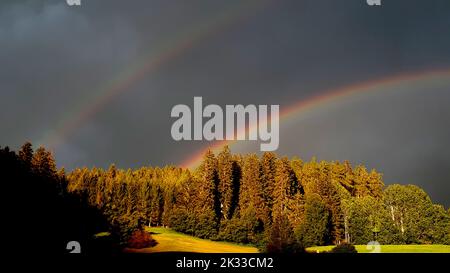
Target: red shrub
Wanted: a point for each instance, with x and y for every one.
(141, 239)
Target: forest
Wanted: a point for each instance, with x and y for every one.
(278, 204)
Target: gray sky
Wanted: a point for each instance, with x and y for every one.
(57, 60)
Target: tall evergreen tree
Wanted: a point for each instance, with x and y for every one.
(375, 184)
(252, 194)
(43, 163)
(208, 203)
(268, 172)
(285, 186)
(226, 191)
(314, 230)
(361, 181)
(282, 239)
(26, 153)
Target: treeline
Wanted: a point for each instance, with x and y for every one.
(39, 214)
(275, 203)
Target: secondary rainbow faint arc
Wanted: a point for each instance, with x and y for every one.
(138, 70)
(325, 97)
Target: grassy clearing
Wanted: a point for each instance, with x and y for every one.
(102, 234)
(392, 248)
(172, 241)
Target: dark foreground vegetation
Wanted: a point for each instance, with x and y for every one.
(42, 216)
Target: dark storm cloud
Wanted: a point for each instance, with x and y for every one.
(51, 57)
(55, 59)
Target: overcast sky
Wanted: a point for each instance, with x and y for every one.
(57, 60)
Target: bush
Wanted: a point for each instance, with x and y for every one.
(281, 237)
(141, 239)
(233, 231)
(315, 229)
(182, 221)
(206, 226)
(344, 248)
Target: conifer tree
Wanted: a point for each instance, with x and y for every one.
(226, 191)
(314, 230)
(43, 163)
(375, 184)
(361, 181)
(208, 199)
(252, 190)
(285, 186)
(343, 174)
(268, 169)
(281, 238)
(26, 153)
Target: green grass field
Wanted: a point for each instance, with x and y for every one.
(392, 249)
(172, 241)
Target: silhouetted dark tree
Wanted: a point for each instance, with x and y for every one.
(44, 216)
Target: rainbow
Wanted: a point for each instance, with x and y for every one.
(328, 97)
(165, 52)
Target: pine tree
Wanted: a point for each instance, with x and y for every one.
(226, 191)
(343, 174)
(361, 181)
(314, 229)
(208, 200)
(285, 186)
(268, 169)
(330, 195)
(375, 184)
(282, 238)
(26, 153)
(296, 203)
(43, 163)
(209, 182)
(251, 189)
